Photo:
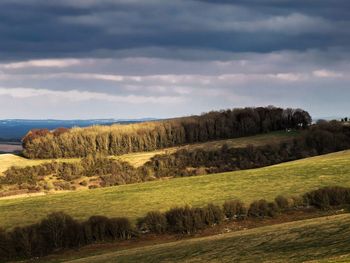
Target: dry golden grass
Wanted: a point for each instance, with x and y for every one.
(8, 160)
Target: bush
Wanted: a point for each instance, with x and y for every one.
(56, 231)
(282, 202)
(297, 201)
(155, 222)
(95, 229)
(234, 209)
(119, 228)
(199, 218)
(26, 241)
(262, 208)
(272, 209)
(326, 197)
(6, 250)
(213, 215)
(181, 220)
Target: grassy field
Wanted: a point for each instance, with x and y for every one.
(135, 200)
(138, 159)
(7, 160)
(324, 239)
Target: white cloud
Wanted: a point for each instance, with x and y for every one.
(57, 63)
(76, 95)
(289, 76)
(138, 86)
(291, 24)
(323, 73)
(172, 79)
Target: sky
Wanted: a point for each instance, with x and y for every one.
(125, 59)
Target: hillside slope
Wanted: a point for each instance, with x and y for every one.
(314, 239)
(150, 136)
(134, 200)
(138, 159)
(7, 160)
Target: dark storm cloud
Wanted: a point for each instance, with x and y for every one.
(335, 9)
(163, 58)
(45, 29)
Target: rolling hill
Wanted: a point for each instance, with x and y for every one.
(134, 200)
(138, 159)
(322, 239)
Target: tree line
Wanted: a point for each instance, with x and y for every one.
(148, 136)
(108, 171)
(60, 231)
(321, 138)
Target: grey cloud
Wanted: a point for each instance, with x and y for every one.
(119, 57)
(45, 29)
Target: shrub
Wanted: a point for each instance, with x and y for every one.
(199, 218)
(181, 220)
(272, 209)
(259, 209)
(326, 197)
(6, 250)
(213, 214)
(234, 209)
(297, 201)
(26, 241)
(155, 222)
(282, 202)
(56, 231)
(119, 228)
(95, 228)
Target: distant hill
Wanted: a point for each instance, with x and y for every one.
(15, 129)
(150, 136)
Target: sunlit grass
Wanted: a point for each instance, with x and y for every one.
(300, 241)
(135, 200)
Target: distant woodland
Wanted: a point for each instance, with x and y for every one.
(102, 171)
(148, 136)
